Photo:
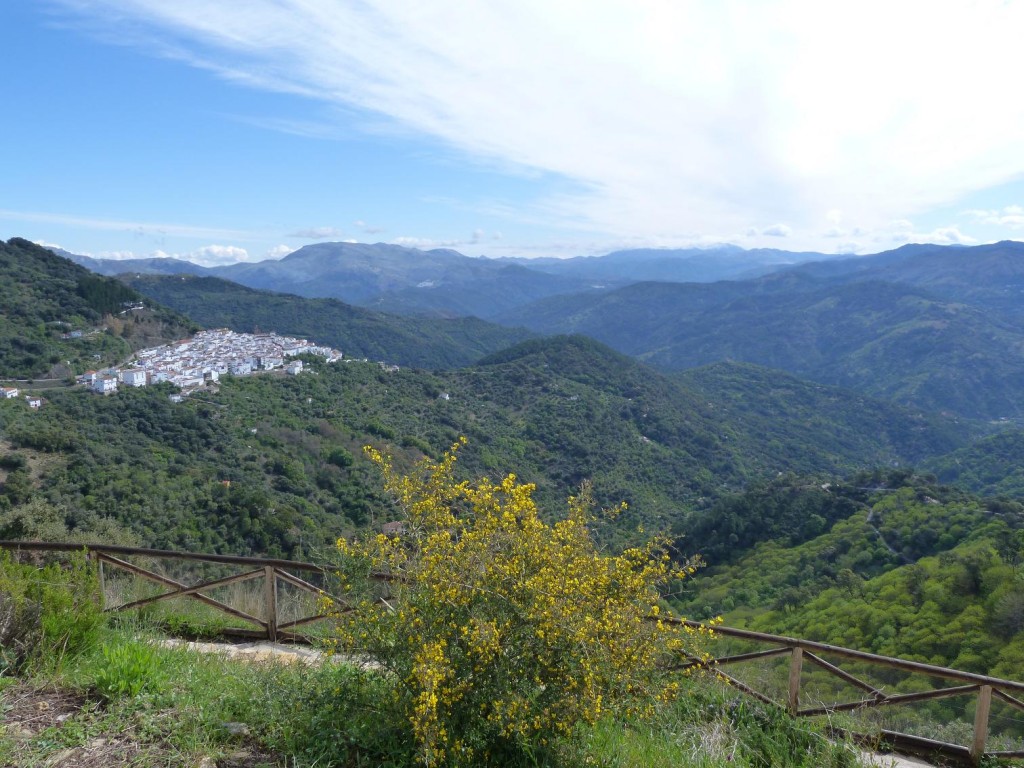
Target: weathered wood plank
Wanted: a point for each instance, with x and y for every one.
(124, 564)
(836, 650)
(300, 583)
(1008, 698)
(739, 685)
(904, 698)
(740, 657)
(191, 591)
(842, 674)
(981, 713)
(270, 591)
(50, 546)
(795, 668)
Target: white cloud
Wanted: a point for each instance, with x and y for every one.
(207, 256)
(902, 231)
(668, 118)
(777, 230)
(1011, 216)
(217, 255)
(316, 233)
(476, 237)
(946, 236)
(279, 251)
(134, 227)
(368, 228)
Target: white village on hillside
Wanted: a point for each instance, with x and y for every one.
(204, 358)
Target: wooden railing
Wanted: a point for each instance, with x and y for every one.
(272, 571)
(982, 687)
(269, 626)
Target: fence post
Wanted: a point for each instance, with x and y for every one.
(103, 581)
(981, 723)
(795, 666)
(270, 578)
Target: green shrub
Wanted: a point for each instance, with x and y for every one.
(128, 669)
(54, 611)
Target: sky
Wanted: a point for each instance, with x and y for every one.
(240, 130)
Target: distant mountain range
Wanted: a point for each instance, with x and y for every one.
(939, 328)
(448, 284)
(423, 342)
(934, 327)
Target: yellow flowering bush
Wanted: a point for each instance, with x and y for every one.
(499, 630)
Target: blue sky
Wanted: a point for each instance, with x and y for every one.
(222, 131)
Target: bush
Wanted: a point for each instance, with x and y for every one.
(499, 632)
(53, 611)
(128, 669)
(20, 627)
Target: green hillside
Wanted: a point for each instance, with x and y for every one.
(272, 464)
(882, 339)
(422, 342)
(993, 466)
(45, 299)
(784, 411)
(887, 562)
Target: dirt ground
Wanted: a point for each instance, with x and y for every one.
(42, 719)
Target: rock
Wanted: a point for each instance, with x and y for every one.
(236, 729)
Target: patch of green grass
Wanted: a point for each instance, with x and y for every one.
(176, 706)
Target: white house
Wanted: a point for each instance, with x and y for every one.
(134, 378)
(9, 392)
(35, 403)
(294, 367)
(104, 385)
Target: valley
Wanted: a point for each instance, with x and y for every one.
(886, 465)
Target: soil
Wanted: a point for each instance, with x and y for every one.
(33, 716)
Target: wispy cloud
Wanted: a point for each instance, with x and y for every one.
(669, 119)
(1011, 216)
(316, 233)
(279, 251)
(368, 229)
(207, 255)
(136, 227)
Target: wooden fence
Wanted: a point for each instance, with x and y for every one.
(800, 652)
(983, 688)
(271, 571)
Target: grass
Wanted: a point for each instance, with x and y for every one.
(155, 706)
(188, 617)
(115, 697)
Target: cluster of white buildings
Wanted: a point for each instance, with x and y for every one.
(195, 362)
(10, 393)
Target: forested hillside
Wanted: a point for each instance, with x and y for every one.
(57, 318)
(421, 342)
(794, 492)
(886, 340)
(889, 562)
(271, 464)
